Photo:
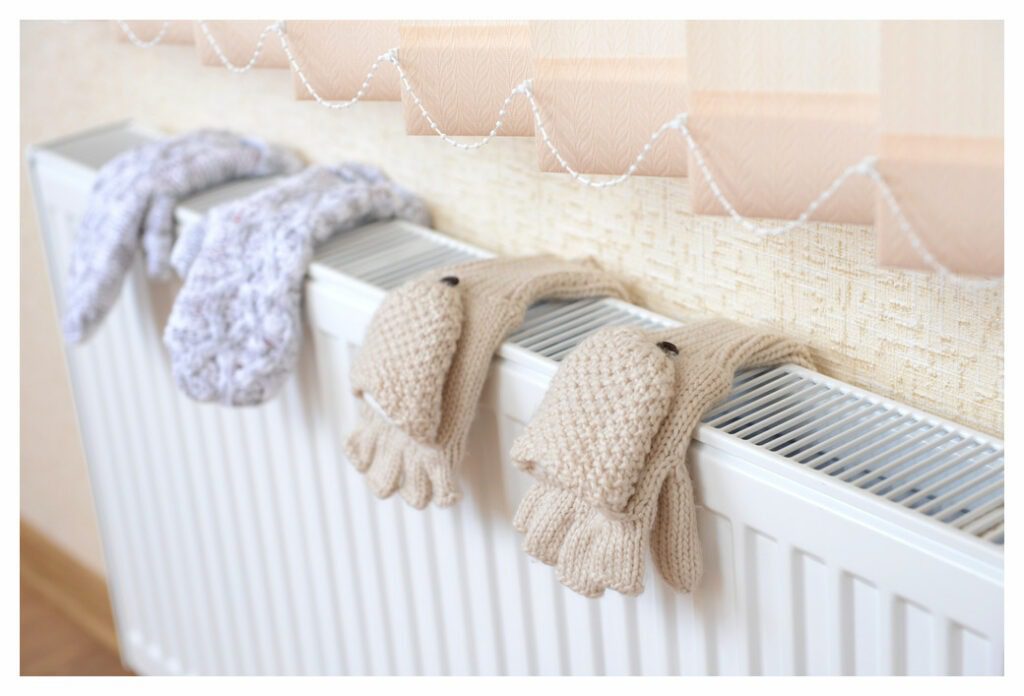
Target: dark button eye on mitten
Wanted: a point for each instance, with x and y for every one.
(235, 330)
(608, 449)
(133, 201)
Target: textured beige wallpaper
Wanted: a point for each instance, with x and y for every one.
(905, 335)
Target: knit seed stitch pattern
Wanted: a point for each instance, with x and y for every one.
(132, 203)
(235, 330)
(405, 370)
(608, 449)
(596, 444)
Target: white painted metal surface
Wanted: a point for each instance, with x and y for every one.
(843, 533)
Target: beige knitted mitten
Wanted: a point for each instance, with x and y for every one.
(426, 357)
(608, 448)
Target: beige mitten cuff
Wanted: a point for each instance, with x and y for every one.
(608, 448)
(426, 357)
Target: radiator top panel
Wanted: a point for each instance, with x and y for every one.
(896, 453)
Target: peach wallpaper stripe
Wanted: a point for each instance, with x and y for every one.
(179, 31)
(601, 111)
(771, 154)
(237, 39)
(604, 87)
(335, 57)
(942, 143)
(780, 110)
(462, 72)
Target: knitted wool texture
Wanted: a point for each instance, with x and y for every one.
(235, 330)
(133, 201)
(425, 359)
(608, 449)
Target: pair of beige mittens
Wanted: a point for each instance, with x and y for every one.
(608, 443)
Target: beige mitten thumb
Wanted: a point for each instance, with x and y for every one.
(608, 447)
(425, 359)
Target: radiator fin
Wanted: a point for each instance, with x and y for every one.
(929, 467)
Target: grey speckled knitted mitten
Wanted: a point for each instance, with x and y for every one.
(608, 448)
(235, 330)
(133, 200)
(425, 359)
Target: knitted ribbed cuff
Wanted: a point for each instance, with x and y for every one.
(393, 461)
(590, 550)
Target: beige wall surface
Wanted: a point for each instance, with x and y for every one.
(908, 336)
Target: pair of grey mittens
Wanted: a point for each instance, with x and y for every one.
(235, 329)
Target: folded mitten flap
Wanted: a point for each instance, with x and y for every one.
(594, 430)
(407, 352)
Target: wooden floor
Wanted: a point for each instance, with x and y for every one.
(53, 644)
(67, 627)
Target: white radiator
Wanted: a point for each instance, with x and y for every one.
(843, 533)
